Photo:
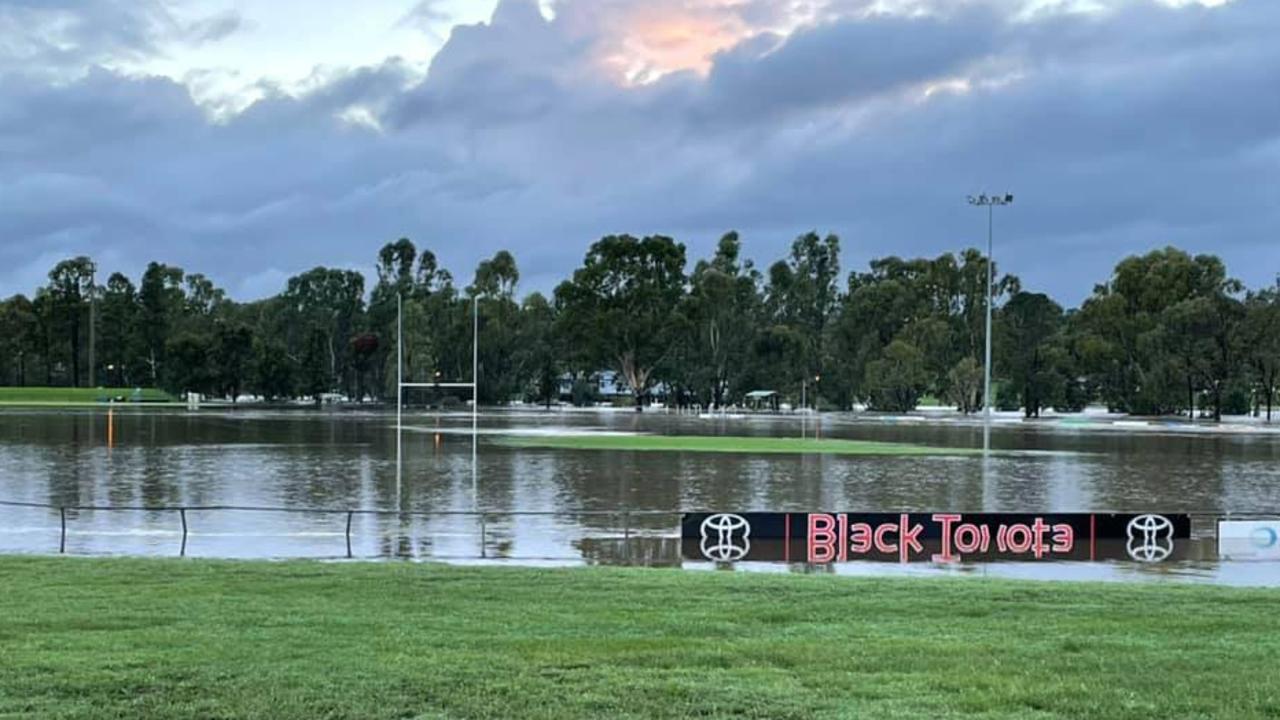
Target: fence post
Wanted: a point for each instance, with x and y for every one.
(62, 539)
(349, 514)
(483, 550)
(183, 513)
(626, 537)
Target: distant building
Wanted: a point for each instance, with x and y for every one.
(763, 400)
(604, 385)
(610, 384)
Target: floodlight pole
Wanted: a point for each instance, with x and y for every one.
(804, 386)
(990, 202)
(986, 365)
(475, 396)
(93, 321)
(399, 386)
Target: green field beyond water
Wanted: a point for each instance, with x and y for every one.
(709, 443)
(79, 396)
(98, 638)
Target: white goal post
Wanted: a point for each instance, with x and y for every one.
(473, 386)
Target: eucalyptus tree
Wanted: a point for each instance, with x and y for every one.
(1027, 327)
(120, 331)
(618, 306)
(1161, 329)
(897, 378)
(1260, 339)
(161, 301)
(324, 308)
(500, 362)
(70, 285)
(540, 348)
(722, 310)
(803, 293)
(232, 352)
(18, 339)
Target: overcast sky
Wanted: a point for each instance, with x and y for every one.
(253, 139)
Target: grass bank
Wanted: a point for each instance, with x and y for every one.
(72, 397)
(91, 638)
(700, 443)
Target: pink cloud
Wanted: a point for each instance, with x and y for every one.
(637, 41)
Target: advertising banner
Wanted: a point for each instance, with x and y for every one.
(931, 537)
(1249, 539)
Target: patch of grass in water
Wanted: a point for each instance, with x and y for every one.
(722, 444)
(79, 396)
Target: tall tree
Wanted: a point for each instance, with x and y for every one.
(189, 364)
(1028, 324)
(120, 339)
(275, 372)
(232, 357)
(540, 347)
(723, 314)
(19, 332)
(803, 292)
(964, 385)
(327, 304)
(1260, 336)
(896, 380)
(1125, 330)
(619, 305)
(500, 363)
(161, 300)
(70, 283)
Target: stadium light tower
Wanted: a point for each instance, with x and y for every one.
(990, 202)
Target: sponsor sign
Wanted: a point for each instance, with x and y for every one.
(931, 537)
(1249, 539)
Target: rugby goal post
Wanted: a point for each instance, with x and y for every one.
(473, 386)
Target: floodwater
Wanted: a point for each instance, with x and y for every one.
(546, 506)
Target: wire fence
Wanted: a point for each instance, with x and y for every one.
(629, 522)
(623, 518)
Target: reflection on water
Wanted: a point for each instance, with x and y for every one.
(347, 460)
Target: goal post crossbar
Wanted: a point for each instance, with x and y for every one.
(473, 386)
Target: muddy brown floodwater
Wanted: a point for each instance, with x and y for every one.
(596, 506)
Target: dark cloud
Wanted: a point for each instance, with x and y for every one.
(1117, 131)
(215, 27)
(842, 62)
(51, 38)
(425, 16)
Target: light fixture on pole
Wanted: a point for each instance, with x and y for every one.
(93, 323)
(990, 202)
(475, 400)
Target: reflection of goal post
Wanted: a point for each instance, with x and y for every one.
(473, 386)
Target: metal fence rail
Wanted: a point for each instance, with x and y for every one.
(481, 516)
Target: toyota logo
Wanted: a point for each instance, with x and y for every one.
(1150, 538)
(725, 537)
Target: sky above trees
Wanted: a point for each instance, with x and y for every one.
(255, 140)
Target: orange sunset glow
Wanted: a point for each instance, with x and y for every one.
(638, 44)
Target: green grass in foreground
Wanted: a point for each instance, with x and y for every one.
(705, 443)
(164, 638)
(76, 396)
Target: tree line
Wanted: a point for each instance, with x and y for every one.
(1167, 333)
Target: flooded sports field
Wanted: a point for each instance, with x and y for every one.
(284, 484)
